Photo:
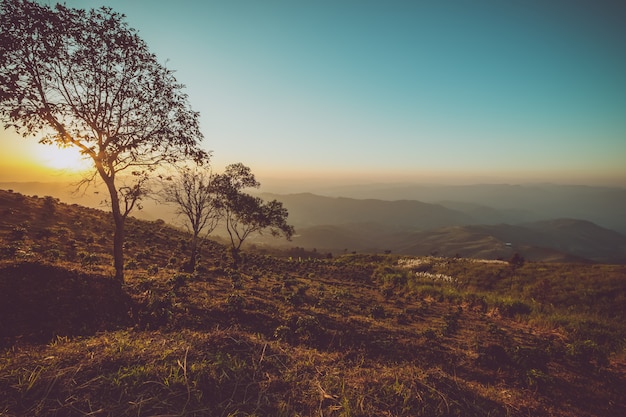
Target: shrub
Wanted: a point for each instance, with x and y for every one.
(130, 264)
(283, 333)
(377, 312)
(451, 322)
(235, 303)
(53, 254)
(512, 308)
(178, 280)
(309, 327)
(18, 233)
(88, 258)
(172, 261)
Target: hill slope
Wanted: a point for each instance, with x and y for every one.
(562, 240)
(356, 335)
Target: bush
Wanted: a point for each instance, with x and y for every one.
(235, 303)
(130, 264)
(309, 328)
(512, 308)
(88, 258)
(378, 312)
(451, 322)
(18, 233)
(179, 280)
(283, 333)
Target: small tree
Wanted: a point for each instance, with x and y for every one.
(85, 79)
(516, 262)
(192, 193)
(244, 214)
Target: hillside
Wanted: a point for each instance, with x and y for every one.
(560, 240)
(353, 335)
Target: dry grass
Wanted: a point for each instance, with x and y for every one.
(358, 335)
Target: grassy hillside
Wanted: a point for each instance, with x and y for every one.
(285, 335)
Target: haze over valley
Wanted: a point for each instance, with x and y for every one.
(543, 222)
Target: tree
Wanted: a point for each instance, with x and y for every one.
(85, 79)
(515, 262)
(244, 214)
(192, 193)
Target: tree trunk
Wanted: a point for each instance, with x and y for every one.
(118, 247)
(236, 257)
(194, 254)
(118, 236)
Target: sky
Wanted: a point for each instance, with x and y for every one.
(442, 91)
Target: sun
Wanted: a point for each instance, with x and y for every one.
(63, 159)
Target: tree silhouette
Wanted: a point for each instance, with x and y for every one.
(193, 195)
(244, 214)
(85, 79)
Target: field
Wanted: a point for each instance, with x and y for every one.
(293, 333)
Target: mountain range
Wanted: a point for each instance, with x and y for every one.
(542, 222)
(340, 224)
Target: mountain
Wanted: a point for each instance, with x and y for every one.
(307, 210)
(474, 221)
(604, 206)
(339, 224)
(567, 240)
(561, 240)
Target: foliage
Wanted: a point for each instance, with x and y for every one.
(243, 213)
(84, 79)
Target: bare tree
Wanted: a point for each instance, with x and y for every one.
(85, 79)
(193, 195)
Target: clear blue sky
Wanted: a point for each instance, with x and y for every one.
(461, 91)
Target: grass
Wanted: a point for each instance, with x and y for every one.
(357, 335)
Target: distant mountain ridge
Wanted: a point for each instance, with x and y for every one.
(536, 221)
(417, 228)
(582, 242)
(306, 209)
(602, 205)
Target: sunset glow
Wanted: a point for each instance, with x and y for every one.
(62, 159)
(361, 92)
